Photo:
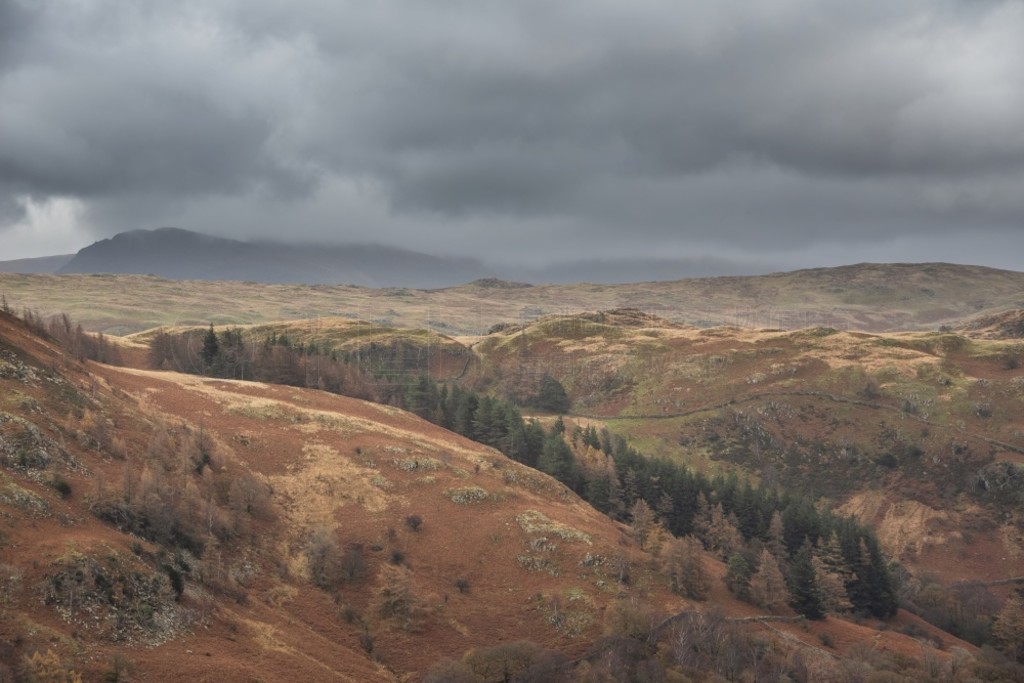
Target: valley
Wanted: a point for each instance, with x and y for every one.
(268, 506)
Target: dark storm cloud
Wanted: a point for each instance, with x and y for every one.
(16, 24)
(600, 127)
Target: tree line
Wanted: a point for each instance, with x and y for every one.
(275, 359)
(829, 563)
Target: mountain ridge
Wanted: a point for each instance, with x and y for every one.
(186, 255)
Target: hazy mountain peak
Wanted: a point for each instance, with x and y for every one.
(186, 255)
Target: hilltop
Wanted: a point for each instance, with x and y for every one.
(185, 255)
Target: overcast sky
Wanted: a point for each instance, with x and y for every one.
(781, 133)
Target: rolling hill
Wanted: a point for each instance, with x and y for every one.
(866, 297)
(161, 525)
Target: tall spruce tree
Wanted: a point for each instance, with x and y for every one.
(211, 350)
(803, 588)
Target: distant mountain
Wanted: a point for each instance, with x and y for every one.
(44, 264)
(184, 255)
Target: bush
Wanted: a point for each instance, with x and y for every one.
(61, 486)
(551, 396)
(349, 614)
(462, 584)
(353, 564)
(414, 522)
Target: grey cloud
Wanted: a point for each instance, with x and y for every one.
(826, 94)
(134, 113)
(594, 125)
(17, 24)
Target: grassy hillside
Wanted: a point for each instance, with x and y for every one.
(160, 526)
(919, 433)
(284, 516)
(863, 297)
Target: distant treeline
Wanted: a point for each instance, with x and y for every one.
(274, 359)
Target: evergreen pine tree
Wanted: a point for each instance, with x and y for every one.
(464, 415)
(803, 589)
(831, 587)
(556, 458)
(421, 397)
(597, 491)
(616, 499)
(534, 434)
(872, 591)
(738, 571)
(211, 349)
(446, 415)
(833, 574)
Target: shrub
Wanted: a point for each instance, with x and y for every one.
(414, 522)
(61, 486)
(462, 584)
(366, 641)
(395, 599)
(353, 564)
(349, 614)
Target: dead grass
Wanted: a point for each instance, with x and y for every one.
(843, 298)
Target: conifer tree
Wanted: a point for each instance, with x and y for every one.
(643, 521)
(832, 573)
(556, 458)
(722, 536)
(1008, 627)
(211, 349)
(465, 413)
(702, 518)
(831, 587)
(803, 589)
(768, 585)
(534, 434)
(776, 537)
(630, 487)
(686, 569)
(597, 491)
(738, 571)
(871, 590)
(616, 498)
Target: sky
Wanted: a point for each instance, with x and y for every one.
(747, 135)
